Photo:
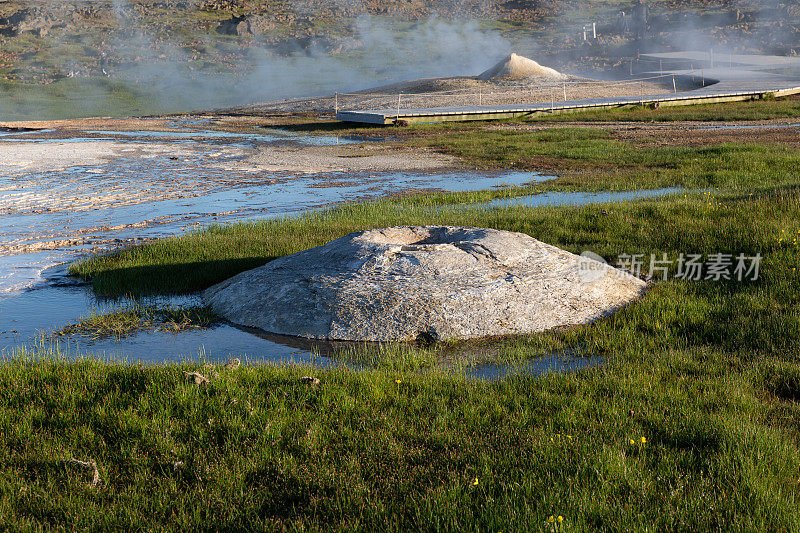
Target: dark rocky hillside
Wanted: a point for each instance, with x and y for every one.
(131, 48)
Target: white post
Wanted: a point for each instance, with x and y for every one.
(336, 104)
(674, 86)
(565, 91)
(594, 30)
(398, 106)
(584, 32)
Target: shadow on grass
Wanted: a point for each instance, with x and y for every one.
(178, 278)
(34, 470)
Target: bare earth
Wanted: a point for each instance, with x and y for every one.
(83, 184)
(25, 156)
(462, 90)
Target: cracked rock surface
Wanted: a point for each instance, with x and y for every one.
(441, 281)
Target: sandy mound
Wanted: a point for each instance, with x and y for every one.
(402, 282)
(516, 67)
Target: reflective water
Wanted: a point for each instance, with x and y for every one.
(29, 316)
(52, 216)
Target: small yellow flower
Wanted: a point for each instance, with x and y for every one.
(560, 519)
(475, 482)
(644, 440)
(633, 441)
(398, 381)
(551, 519)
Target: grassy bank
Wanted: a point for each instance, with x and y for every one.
(593, 158)
(688, 313)
(679, 439)
(767, 109)
(586, 158)
(691, 422)
(136, 317)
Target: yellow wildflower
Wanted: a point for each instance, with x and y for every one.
(475, 482)
(398, 381)
(551, 519)
(560, 519)
(644, 440)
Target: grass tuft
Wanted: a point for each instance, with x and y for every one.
(137, 317)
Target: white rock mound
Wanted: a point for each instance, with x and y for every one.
(517, 67)
(399, 283)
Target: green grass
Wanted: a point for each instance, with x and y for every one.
(690, 314)
(755, 110)
(259, 450)
(593, 159)
(589, 159)
(136, 317)
(707, 372)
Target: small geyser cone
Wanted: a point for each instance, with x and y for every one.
(517, 67)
